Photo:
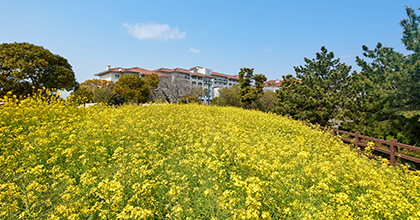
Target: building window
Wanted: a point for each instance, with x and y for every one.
(117, 76)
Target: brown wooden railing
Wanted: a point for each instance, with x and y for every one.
(393, 144)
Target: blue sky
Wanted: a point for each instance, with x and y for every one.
(270, 36)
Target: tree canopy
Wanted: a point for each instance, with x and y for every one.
(153, 81)
(97, 91)
(25, 68)
(228, 97)
(175, 89)
(247, 91)
(92, 84)
(316, 94)
(133, 88)
(384, 98)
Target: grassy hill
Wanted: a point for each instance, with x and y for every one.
(186, 162)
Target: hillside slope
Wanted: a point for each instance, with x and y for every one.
(186, 162)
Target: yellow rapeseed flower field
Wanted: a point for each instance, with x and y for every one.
(58, 161)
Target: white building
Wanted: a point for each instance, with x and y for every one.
(113, 74)
(198, 76)
(272, 85)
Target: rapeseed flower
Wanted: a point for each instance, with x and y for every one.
(58, 161)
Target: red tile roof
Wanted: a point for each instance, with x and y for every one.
(135, 69)
(165, 71)
(180, 70)
(117, 69)
(228, 76)
(276, 82)
(140, 70)
(196, 67)
(200, 74)
(215, 73)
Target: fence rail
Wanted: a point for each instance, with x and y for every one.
(393, 144)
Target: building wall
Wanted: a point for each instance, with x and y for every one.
(216, 92)
(192, 77)
(107, 76)
(271, 88)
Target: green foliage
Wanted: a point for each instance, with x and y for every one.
(92, 84)
(411, 35)
(324, 71)
(82, 95)
(103, 95)
(266, 102)
(133, 88)
(97, 91)
(25, 68)
(316, 94)
(303, 102)
(372, 94)
(384, 98)
(153, 81)
(247, 92)
(231, 97)
(228, 97)
(194, 96)
(259, 80)
(101, 90)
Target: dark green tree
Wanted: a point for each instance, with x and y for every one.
(304, 102)
(316, 94)
(324, 71)
(411, 35)
(25, 68)
(384, 98)
(247, 91)
(133, 88)
(153, 81)
(411, 40)
(373, 93)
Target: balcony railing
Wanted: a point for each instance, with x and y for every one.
(220, 79)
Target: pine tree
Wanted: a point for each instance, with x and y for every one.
(316, 94)
(384, 98)
(247, 91)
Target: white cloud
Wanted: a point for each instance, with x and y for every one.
(154, 31)
(194, 50)
(344, 56)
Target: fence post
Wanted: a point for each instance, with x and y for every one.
(334, 131)
(393, 151)
(357, 134)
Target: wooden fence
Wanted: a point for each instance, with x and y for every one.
(391, 151)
